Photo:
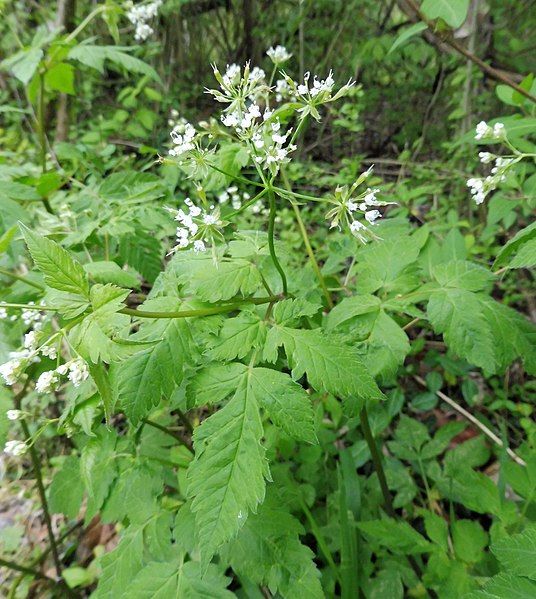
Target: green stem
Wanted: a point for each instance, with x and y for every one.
(201, 312)
(41, 490)
(380, 472)
(183, 441)
(7, 273)
(37, 307)
(311, 255)
(271, 244)
(85, 23)
(235, 177)
(322, 544)
(42, 134)
(18, 568)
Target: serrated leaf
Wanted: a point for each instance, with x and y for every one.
(520, 238)
(222, 281)
(148, 376)
(6, 238)
(66, 491)
(505, 586)
(94, 57)
(268, 551)
(461, 274)
(330, 366)
(289, 311)
(24, 64)
(517, 553)
(226, 478)
(143, 252)
(398, 536)
(215, 382)
(469, 540)
(457, 314)
(238, 337)
(350, 307)
(286, 402)
(103, 271)
(172, 580)
(60, 270)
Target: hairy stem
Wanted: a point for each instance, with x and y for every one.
(202, 311)
(271, 245)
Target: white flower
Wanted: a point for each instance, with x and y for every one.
(15, 448)
(199, 246)
(183, 139)
(32, 317)
(3, 313)
(49, 351)
(278, 55)
(139, 15)
(13, 414)
(46, 381)
(372, 216)
(282, 90)
(485, 157)
(499, 131)
(78, 372)
(483, 130)
(11, 370)
(30, 340)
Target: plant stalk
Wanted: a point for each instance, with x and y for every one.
(271, 245)
(42, 134)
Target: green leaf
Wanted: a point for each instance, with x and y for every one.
(103, 271)
(60, 78)
(217, 282)
(238, 337)
(215, 382)
(330, 366)
(406, 35)
(6, 238)
(350, 307)
(397, 536)
(286, 402)
(60, 270)
(506, 586)
(121, 565)
(143, 252)
(460, 274)
(469, 539)
(94, 57)
(66, 491)
(520, 238)
(517, 553)
(24, 64)
(453, 12)
(268, 551)
(148, 376)
(172, 580)
(226, 478)
(457, 314)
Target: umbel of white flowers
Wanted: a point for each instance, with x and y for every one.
(139, 15)
(481, 187)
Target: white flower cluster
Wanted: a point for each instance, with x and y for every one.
(76, 371)
(480, 188)
(485, 131)
(198, 227)
(182, 135)
(3, 313)
(233, 195)
(15, 448)
(32, 317)
(283, 91)
(238, 87)
(348, 208)
(278, 55)
(13, 414)
(139, 16)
